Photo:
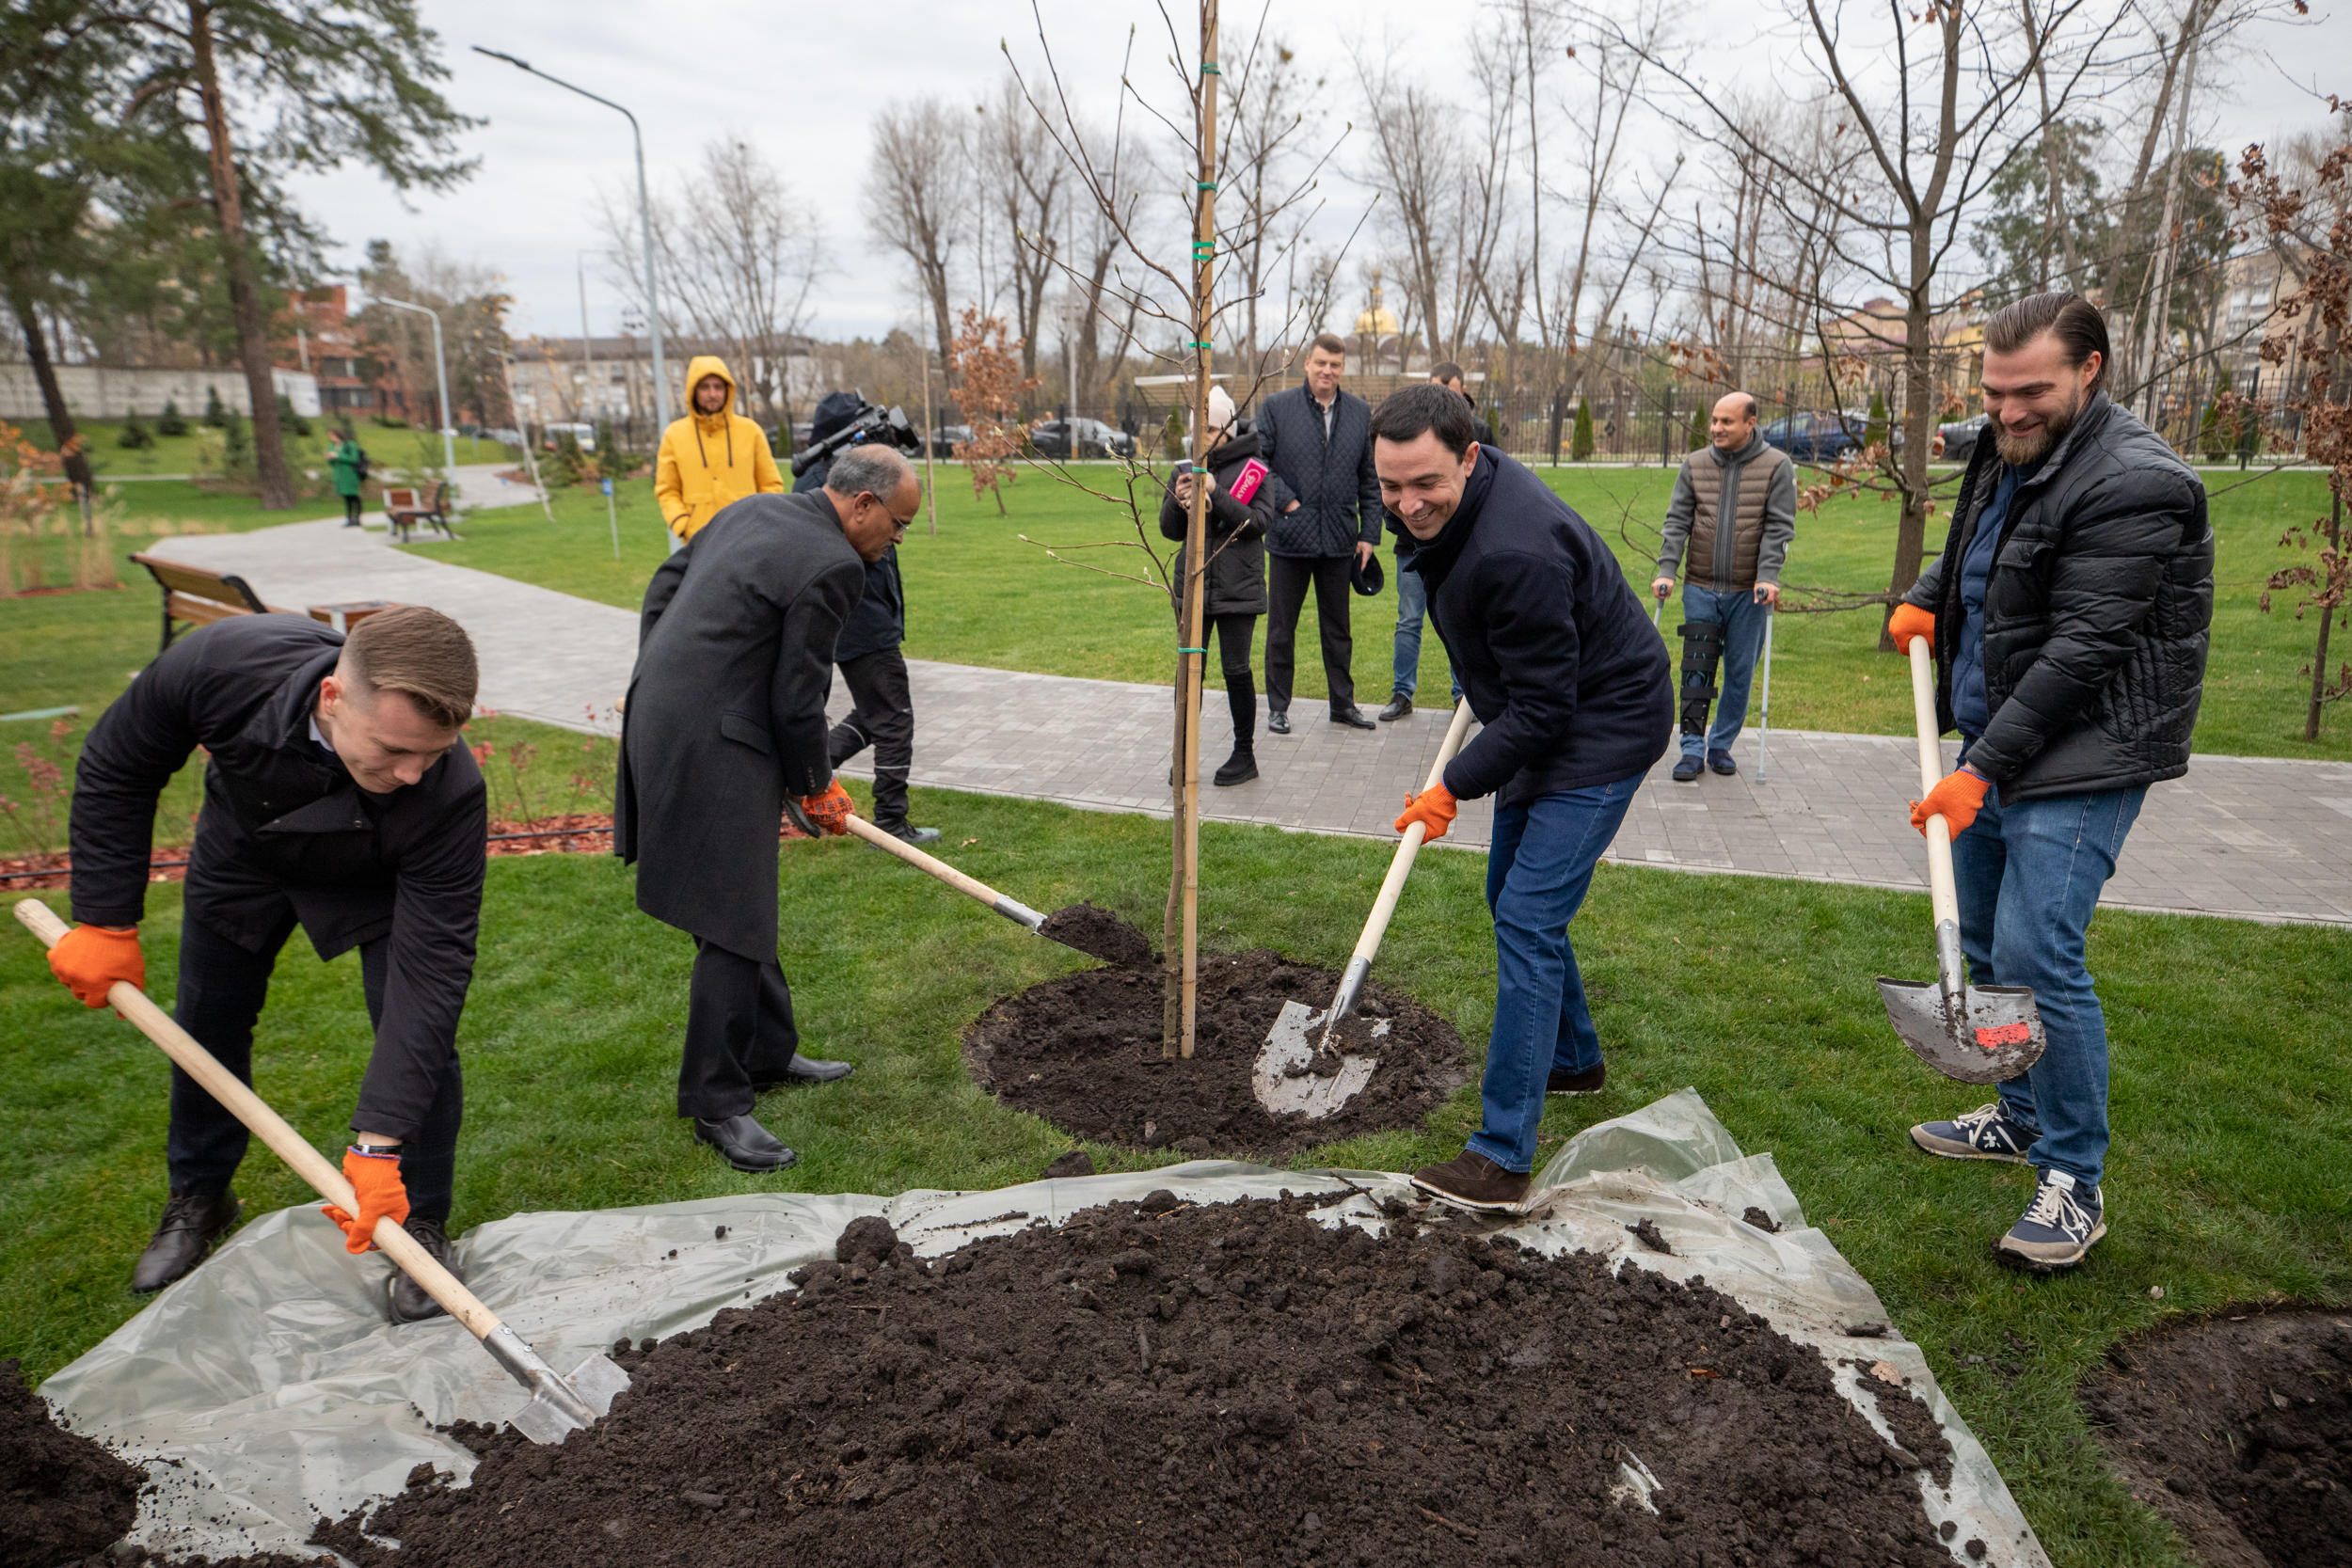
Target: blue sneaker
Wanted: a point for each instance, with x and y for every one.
(1987, 1133)
(2064, 1221)
(1720, 761)
(1687, 768)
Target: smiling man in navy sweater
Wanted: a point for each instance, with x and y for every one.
(1575, 690)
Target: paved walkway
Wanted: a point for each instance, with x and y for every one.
(2250, 837)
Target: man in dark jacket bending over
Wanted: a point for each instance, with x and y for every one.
(336, 798)
(724, 723)
(1558, 662)
(2068, 616)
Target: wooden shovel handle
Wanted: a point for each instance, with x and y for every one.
(1392, 887)
(272, 1129)
(971, 887)
(1943, 896)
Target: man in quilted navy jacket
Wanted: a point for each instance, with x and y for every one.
(2068, 616)
(1318, 441)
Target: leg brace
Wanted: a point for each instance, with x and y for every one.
(1702, 652)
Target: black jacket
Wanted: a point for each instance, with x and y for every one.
(283, 824)
(880, 619)
(2097, 615)
(1556, 656)
(1338, 493)
(725, 714)
(1236, 532)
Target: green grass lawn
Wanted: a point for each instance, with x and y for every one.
(2228, 1181)
(178, 454)
(978, 595)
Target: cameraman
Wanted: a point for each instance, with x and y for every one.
(868, 652)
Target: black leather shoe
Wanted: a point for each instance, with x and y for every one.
(192, 1222)
(409, 1304)
(1687, 769)
(1399, 705)
(745, 1145)
(1240, 767)
(1721, 762)
(1279, 722)
(1591, 1081)
(905, 835)
(1351, 717)
(808, 1070)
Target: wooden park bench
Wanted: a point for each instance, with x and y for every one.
(196, 597)
(404, 512)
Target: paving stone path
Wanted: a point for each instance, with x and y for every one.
(2252, 837)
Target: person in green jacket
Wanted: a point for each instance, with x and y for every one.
(350, 465)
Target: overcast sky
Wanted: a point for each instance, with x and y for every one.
(800, 82)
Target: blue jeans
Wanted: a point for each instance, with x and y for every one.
(1537, 870)
(1413, 604)
(1743, 620)
(2028, 876)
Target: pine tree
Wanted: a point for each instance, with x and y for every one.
(1581, 445)
(134, 435)
(1698, 429)
(215, 412)
(171, 421)
(2210, 440)
(1874, 428)
(1172, 434)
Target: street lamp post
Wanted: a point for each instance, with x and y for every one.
(440, 372)
(645, 222)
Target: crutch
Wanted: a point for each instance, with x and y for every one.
(1764, 731)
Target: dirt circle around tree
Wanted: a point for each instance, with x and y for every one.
(2236, 1426)
(1083, 1051)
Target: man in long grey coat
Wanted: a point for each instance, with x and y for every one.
(725, 722)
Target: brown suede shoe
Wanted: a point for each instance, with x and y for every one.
(1470, 1180)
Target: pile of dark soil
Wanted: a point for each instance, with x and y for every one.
(1100, 934)
(1084, 1052)
(62, 1497)
(1159, 1383)
(2237, 1428)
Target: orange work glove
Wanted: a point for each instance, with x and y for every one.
(1433, 808)
(1956, 797)
(376, 1181)
(90, 958)
(1910, 620)
(832, 810)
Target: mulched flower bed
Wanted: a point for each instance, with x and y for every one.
(2237, 1427)
(1083, 1051)
(1155, 1383)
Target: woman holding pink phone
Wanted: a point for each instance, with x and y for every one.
(1243, 496)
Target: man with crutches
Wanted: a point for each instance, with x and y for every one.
(1734, 511)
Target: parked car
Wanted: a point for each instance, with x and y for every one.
(585, 433)
(946, 438)
(1819, 436)
(1071, 439)
(1960, 438)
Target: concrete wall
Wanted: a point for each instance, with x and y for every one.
(115, 391)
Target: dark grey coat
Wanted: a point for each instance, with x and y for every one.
(1338, 493)
(283, 824)
(2097, 616)
(725, 716)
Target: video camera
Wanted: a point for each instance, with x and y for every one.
(873, 425)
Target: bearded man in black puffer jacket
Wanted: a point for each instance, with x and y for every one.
(2068, 616)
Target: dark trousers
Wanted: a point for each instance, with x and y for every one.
(222, 989)
(738, 1032)
(1234, 634)
(1287, 577)
(351, 509)
(885, 720)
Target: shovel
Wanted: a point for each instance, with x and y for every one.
(1280, 1082)
(559, 1406)
(1977, 1034)
(971, 887)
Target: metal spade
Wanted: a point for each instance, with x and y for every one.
(1977, 1034)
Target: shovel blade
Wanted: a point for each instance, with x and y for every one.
(1995, 1032)
(559, 1408)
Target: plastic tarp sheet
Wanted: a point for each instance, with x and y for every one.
(271, 1381)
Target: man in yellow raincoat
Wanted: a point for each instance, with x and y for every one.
(711, 457)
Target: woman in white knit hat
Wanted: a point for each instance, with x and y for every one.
(1243, 496)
